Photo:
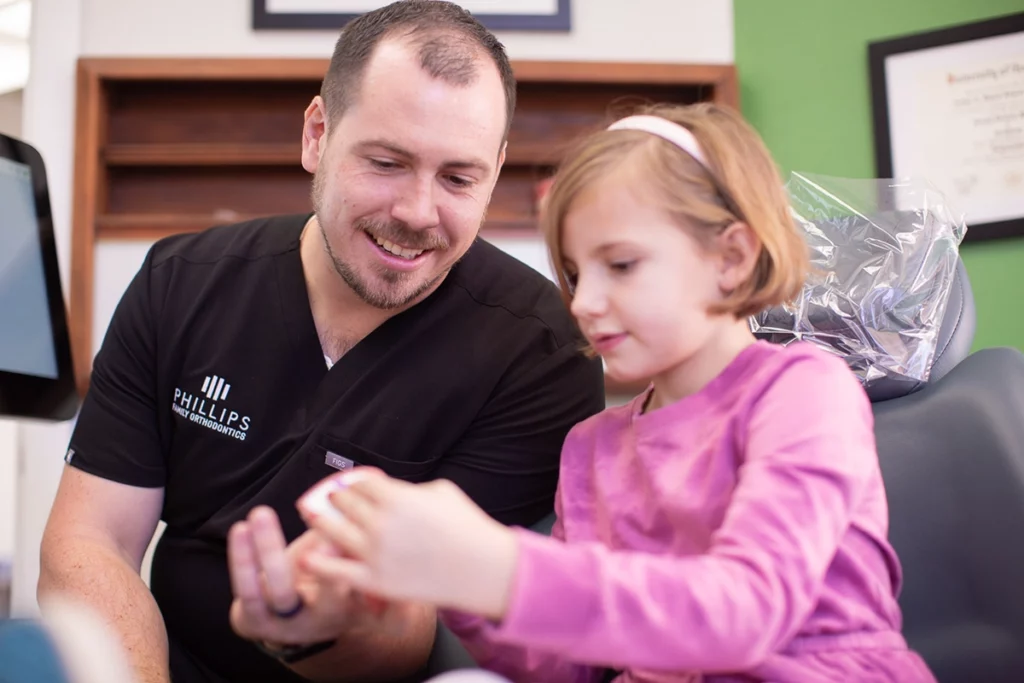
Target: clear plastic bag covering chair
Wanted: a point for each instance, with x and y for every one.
(883, 257)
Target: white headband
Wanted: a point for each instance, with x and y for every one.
(663, 128)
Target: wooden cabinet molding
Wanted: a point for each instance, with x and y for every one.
(167, 145)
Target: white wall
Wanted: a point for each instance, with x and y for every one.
(615, 30)
(10, 113)
(692, 31)
(8, 475)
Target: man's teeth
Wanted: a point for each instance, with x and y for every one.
(397, 250)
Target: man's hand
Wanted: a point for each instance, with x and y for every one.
(268, 584)
(279, 603)
(426, 542)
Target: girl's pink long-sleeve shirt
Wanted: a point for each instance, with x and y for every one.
(738, 534)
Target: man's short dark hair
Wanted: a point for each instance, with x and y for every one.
(448, 39)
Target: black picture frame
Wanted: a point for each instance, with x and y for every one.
(881, 51)
(28, 395)
(262, 18)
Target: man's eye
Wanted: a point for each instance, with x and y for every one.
(383, 164)
(460, 181)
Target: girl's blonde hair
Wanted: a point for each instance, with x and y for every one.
(741, 183)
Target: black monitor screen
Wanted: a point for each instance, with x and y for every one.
(36, 375)
(26, 345)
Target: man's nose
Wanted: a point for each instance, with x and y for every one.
(417, 205)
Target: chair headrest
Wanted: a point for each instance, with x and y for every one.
(956, 335)
(887, 290)
(830, 330)
(953, 342)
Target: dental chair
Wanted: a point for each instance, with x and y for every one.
(952, 456)
(951, 443)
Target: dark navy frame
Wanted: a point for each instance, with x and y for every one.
(263, 19)
(879, 51)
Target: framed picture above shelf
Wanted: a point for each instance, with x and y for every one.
(497, 15)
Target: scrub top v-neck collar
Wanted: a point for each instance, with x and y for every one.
(309, 361)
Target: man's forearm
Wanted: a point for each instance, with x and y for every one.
(385, 650)
(104, 580)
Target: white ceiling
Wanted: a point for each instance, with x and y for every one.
(15, 18)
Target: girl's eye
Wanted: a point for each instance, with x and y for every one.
(622, 266)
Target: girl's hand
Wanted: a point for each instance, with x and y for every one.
(426, 542)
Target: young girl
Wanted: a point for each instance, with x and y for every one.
(729, 524)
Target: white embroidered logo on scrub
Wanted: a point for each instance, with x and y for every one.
(206, 408)
(215, 388)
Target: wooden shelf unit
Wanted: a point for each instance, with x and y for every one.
(167, 145)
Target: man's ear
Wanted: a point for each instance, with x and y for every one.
(738, 249)
(314, 134)
(501, 157)
(497, 172)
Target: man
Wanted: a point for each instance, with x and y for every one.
(246, 363)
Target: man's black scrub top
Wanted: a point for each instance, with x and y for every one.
(211, 383)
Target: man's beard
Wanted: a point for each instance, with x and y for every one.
(391, 294)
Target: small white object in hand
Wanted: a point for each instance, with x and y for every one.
(317, 501)
(468, 676)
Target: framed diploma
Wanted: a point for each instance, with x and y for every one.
(497, 15)
(948, 107)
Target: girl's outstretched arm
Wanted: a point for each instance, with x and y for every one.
(516, 661)
(808, 457)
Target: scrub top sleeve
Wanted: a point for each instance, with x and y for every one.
(117, 436)
(508, 459)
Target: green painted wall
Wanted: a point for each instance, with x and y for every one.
(804, 84)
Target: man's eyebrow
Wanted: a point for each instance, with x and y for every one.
(385, 145)
(476, 164)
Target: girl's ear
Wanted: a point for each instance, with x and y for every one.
(738, 248)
